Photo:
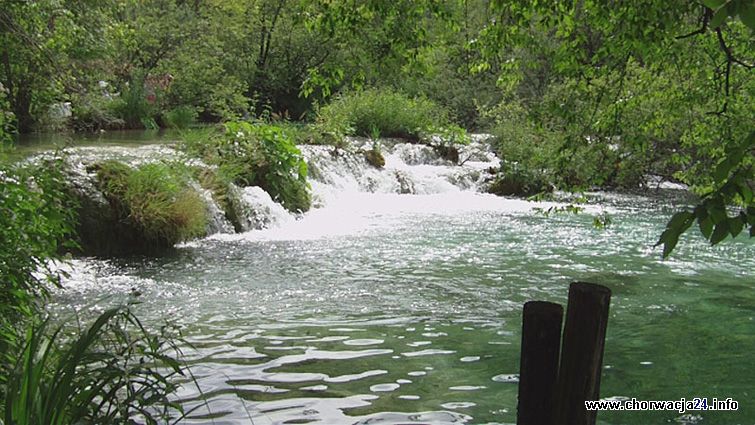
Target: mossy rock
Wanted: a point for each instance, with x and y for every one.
(375, 158)
(139, 210)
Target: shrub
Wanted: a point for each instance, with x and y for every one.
(132, 106)
(515, 180)
(385, 113)
(155, 202)
(181, 117)
(93, 112)
(36, 220)
(267, 157)
(6, 118)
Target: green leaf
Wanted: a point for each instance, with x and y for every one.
(735, 226)
(722, 171)
(720, 233)
(718, 17)
(706, 226)
(745, 191)
(714, 4)
(680, 221)
(669, 243)
(717, 211)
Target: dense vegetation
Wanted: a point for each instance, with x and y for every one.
(109, 372)
(578, 95)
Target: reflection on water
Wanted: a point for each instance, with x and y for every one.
(409, 312)
(30, 144)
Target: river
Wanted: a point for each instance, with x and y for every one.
(388, 308)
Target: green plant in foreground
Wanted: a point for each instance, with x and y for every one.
(36, 220)
(112, 372)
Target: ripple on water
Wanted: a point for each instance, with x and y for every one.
(469, 359)
(509, 378)
(430, 352)
(467, 388)
(458, 405)
(379, 388)
(409, 397)
(418, 343)
(360, 342)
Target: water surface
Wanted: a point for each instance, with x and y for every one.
(406, 308)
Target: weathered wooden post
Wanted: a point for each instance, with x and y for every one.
(582, 353)
(538, 370)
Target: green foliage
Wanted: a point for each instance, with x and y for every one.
(716, 219)
(36, 219)
(114, 371)
(515, 180)
(6, 118)
(386, 113)
(247, 154)
(132, 106)
(181, 117)
(156, 200)
(93, 112)
(266, 156)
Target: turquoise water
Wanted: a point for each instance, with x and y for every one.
(395, 309)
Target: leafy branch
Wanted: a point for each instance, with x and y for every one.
(734, 177)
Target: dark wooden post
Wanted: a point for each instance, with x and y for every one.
(538, 370)
(582, 353)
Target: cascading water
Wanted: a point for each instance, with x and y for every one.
(334, 174)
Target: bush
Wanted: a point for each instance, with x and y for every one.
(132, 106)
(267, 157)
(181, 117)
(154, 204)
(515, 180)
(36, 220)
(385, 113)
(261, 155)
(375, 156)
(93, 112)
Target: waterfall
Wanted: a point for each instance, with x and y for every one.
(409, 168)
(258, 211)
(343, 183)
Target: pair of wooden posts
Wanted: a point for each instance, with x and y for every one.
(553, 392)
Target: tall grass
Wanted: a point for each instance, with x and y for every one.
(155, 200)
(115, 371)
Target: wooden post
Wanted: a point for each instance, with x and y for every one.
(538, 370)
(582, 353)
